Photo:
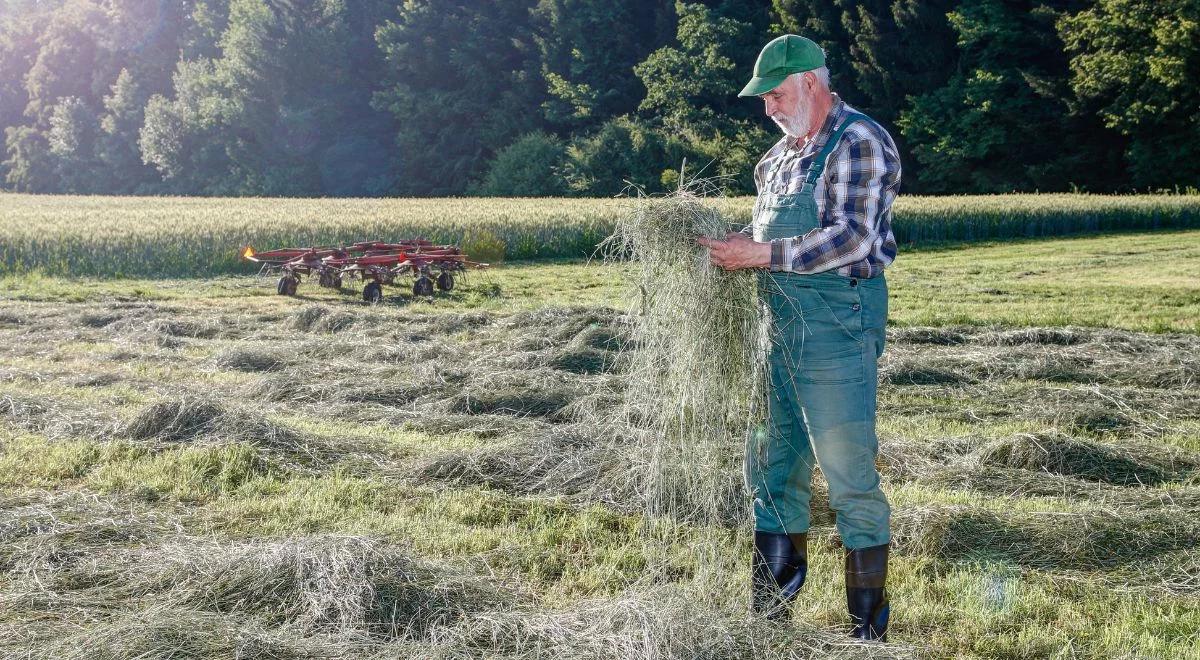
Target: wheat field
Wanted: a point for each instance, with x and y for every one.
(190, 236)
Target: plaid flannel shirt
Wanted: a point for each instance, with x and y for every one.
(854, 198)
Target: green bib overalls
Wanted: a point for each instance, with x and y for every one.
(827, 333)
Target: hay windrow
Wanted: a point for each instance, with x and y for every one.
(562, 460)
(56, 419)
(198, 420)
(251, 359)
(652, 624)
(1047, 541)
(1017, 482)
(1063, 355)
(59, 529)
(1085, 459)
(157, 632)
(339, 585)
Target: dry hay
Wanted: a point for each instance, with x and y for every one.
(931, 336)
(321, 584)
(903, 459)
(1094, 410)
(203, 329)
(922, 372)
(1066, 355)
(99, 319)
(1123, 465)
(541, 393)
(51, 530)
(1042, 336)
(599, 327)
(320, 318)
(648, 624)
(56, 419)
(163, 633)
(197, 420)
(696, 361)
(105, 379)
(252, 358)
(584, 360)
(9, 317)
(571, 461)
(1095, 540)
(1016, 482)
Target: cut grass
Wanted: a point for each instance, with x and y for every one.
(1013, 457)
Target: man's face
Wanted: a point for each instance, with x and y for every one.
(789, 106)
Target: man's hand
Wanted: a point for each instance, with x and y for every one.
(737, 251)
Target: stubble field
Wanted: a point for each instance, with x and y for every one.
(200, 468)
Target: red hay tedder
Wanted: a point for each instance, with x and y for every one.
(374, 262)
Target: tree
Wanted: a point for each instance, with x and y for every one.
(530, 167)
(187, 139)
(29, 167)
(999, 123)
(1137, 65)
(691, 91)
(461, 79)
(118, 148)
(588, 50)
(73, 134)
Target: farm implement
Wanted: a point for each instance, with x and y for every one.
(375, 263)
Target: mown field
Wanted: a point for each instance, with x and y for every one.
(200, 468)
(157, 236)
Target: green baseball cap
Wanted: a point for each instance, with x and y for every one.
(781, 58)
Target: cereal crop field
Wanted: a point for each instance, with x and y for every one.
(198, 467)
(191, 236)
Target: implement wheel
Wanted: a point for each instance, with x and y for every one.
(287, 285)
(372, 292)
(423, 286)
(445, 280)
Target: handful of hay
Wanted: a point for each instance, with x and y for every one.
(698, 356)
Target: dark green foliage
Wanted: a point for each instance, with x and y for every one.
(1001, 121)
(1137, 64)
(440, 97)
(588, 51)
(530, 167)
(457, 100)
(623, 151)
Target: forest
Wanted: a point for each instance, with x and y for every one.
(369, 98)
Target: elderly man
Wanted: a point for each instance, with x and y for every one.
(822, 237)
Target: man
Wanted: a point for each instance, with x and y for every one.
(822, 237)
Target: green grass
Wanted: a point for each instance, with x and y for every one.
(1147, 282)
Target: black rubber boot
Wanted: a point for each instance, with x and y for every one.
(866, 597)
(778, 567)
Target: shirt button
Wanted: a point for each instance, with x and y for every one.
(856, 307)
(853, 281)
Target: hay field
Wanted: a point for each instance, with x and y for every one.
(200, 468)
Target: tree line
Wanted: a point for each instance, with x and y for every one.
(580, 97)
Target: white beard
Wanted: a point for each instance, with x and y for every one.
(794, 126)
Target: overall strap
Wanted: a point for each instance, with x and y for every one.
(818, 165)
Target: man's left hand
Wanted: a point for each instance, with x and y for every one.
(737, 251)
